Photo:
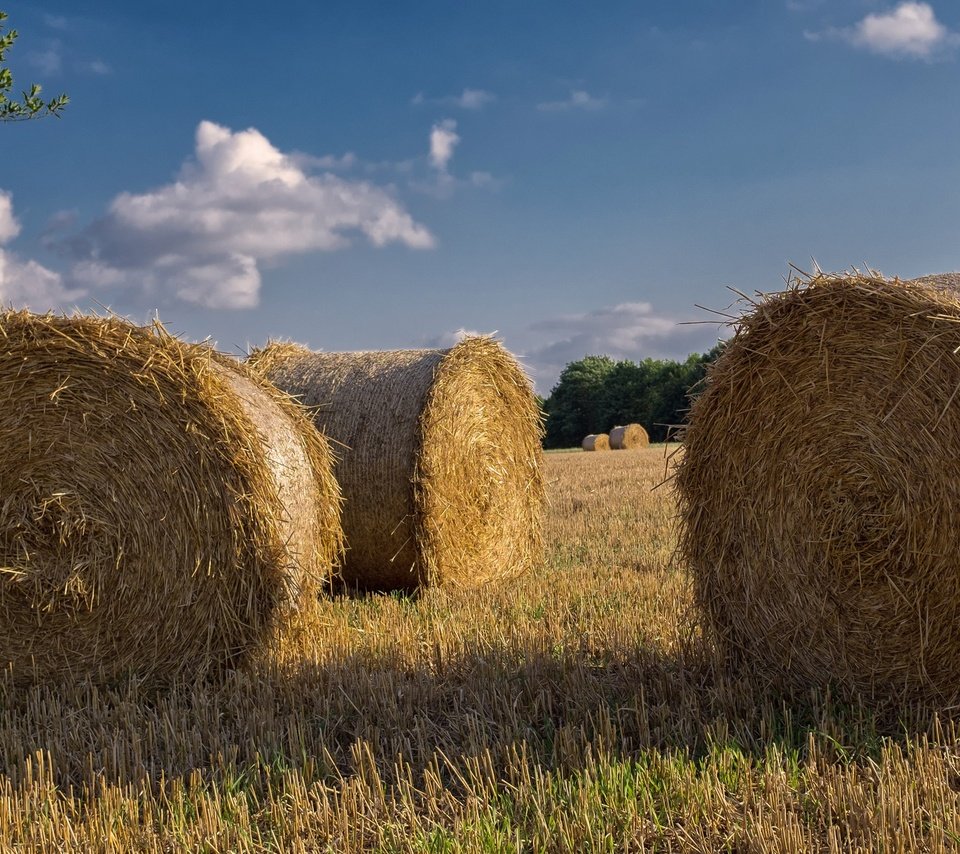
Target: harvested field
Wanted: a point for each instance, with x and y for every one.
(438, 456)
(164, 512)
(574, 711)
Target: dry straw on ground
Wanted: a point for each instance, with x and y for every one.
(439, 458)
(162, 510)
(630, 436)
(820, 488)
(596, 442)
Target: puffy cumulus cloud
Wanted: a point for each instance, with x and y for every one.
(909, 31)
(240, 202)
(631, 330)
(469, 99)
(443, 140)
(27, 284)
(9, 227)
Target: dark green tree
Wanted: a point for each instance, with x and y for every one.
(30, 105)
(596, 393)
(574, 406)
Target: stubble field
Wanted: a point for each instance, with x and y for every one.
(575, 710)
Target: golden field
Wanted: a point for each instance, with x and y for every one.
(574, 710)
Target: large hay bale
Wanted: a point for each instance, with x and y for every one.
(162, 510)
(820, 488)
(439, 458)
(628, 436)
(596, 442)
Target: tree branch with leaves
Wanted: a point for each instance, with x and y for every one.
(31, 105)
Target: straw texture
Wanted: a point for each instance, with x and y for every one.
(596, 442)
(163, 511)
(820, 488)
(629, 436)
(439, 458)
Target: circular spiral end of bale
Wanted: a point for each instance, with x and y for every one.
(439, 459)
(820, 487)
(629, 436)
(596, 442)
(163, 511)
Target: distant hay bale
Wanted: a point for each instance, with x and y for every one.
(162, 510)
(596, 442)
(629, 436)
(943, 281)
(820, 488)
(439, 458)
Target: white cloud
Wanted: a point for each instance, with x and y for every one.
(48, 61)
(56, 22)
(27, 284)
(95, 66)
(579, 99)
(469, 99)
(631, 330)
(443, 139)
(909, 31)
(240, 202)
(9, 227)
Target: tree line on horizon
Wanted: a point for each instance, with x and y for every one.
(596, 393)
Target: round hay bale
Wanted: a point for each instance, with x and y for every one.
(439, 458)
(596, 442)
(943, 281)
(820, 488)
(629, 436)
(162, 510)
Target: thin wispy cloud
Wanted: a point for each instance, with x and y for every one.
(239, 203)
(468, 99)
(49, 60)
(27, 284)
(632, 330)
(908, 31)
(579, 99)
(55, 22)
(95, 66)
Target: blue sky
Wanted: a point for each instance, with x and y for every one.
(575, 176)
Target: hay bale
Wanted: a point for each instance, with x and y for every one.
(439, 458)
(596, 442)
(629, 436)
(161, 510)
(945, 281)
(820, 488)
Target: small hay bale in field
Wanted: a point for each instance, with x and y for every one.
(596, 442)
(162, 510)
(629, 436)
(820, 488)
(439, 458)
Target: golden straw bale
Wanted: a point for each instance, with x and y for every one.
(820, 488)
(596, 442)
(163, 510)
(630, 436)
(439, 458)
